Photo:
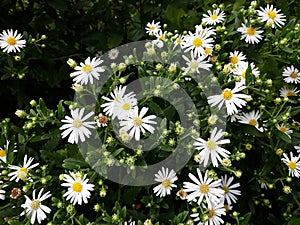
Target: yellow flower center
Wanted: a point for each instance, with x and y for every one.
(234, 59)
(126, 106)
(244, 74)
(162, 37)
(166, 183)
(207, 51)
(35, 204)
(213, 16)
(253, 122)
(293, 75)
(272, 14)
(137, 121)
(211, 213)
(77, 187)
(152, 28)
(197, 42)
(2, 153)
(194, 64)
(292, 165)
(227, 94)
(211, 145)
(290, 94)
(204, 189)
(226, 189)
(87, 69)
(282, 129)
(77, 123)
(250, 31)
(22, 173)
(178, 41)
(11, 41)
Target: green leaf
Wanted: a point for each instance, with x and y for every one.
(246, 219)
(283, 136)
(72, 163)
(294, 221)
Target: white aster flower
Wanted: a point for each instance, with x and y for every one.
(129, 223)
(87, 71)
(237, 57)
(136, 123)
(124, 107)
(22, 172)
(11, 41)
(210, 150)
(271, 15)
(293, 164)
(102, 120)
(207, 31)
(166, 180)
(251, 35)
(203, 187)
(230, 192)
(284, 129)
(3, 152)
(286, 92)
(214, 213)
(193, 65)
(214, 17)
(77, 126)
(160, 38)
(78, 188)
(240, 70)
(197, 43)
(34, 208)
(291, 74)
(231, 98)
(117, 95)
(113, 53)
(297, 148)
(263, 184)
(251, 118)
(152, 28)
(178, 40)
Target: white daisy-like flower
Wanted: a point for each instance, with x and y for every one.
(240, 70)
(113, 53)
(124, 107)
(136, 122)
(152, 28)
(214, 17)
(129, 223)
(284, 129)
(210, 150)
(21, 173)
(77, 126)
(297, 148)
(87, 71)
(251, 118)
(271, 15)
(251, 35)
(293, 164)
(197, 43)
(117, 95)
(3, 152)
(34, 208)
(230, 192)
(78, 188)
(291, 74)
(166, 180)
(178, 40)
(11, 41)
(231, 98)
(194, 64)
(160, 38)
(263, 184)
(237, 57)
(203, 187)
(102, 120)
(286, 92)
(214, 213)
(207, 31)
